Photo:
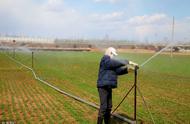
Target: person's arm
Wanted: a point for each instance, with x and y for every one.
(121, 70)
(114, 63)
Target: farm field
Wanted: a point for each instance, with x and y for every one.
(24, 100)
(164, 82)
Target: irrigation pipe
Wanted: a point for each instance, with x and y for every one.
(68, 94)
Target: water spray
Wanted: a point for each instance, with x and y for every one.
(156, 54)
(168, 46)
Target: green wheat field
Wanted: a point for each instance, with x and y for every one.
(164, 82)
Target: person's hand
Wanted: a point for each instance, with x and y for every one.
(132, 65)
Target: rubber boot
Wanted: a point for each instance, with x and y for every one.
(100, 120)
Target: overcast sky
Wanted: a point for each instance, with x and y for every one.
(143, 20)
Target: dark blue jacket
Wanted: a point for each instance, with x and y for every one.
(109, 70)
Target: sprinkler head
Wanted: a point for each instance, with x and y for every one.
(136, 67)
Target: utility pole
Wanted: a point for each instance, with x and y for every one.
(171, 51)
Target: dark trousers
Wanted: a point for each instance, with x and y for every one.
(105, 95)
